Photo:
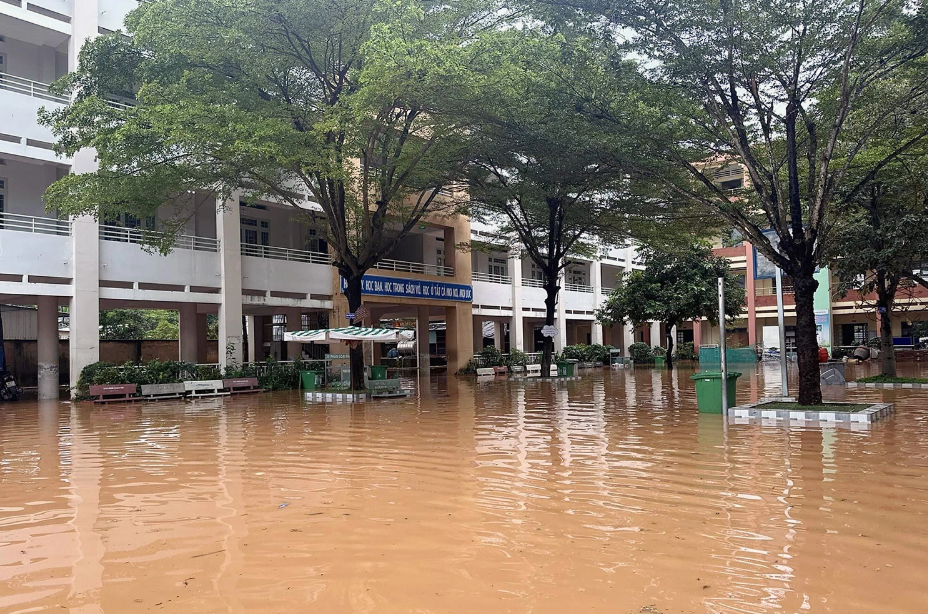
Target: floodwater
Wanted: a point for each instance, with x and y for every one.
(610, 494)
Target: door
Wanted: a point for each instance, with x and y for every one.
(498, 267)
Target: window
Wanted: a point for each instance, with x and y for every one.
(255, 232)
(315, 243)
(440, 257)
(577, 277)
(279, 325)
(537, 273)
(498, 266)
(854, 334)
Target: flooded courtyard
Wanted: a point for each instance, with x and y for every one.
(609, 494)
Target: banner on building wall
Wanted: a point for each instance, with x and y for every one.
(821, 302)
(414, 288)
(763, 268)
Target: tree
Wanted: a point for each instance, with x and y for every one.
(545, 174)
(346, 101)
(135, 324)
(880, 246)
(771, 87)
(674, 286)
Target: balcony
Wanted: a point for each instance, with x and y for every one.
(35, 89)
(150, 238)
(492, 279)
(578, 288)
(36, 246)
(532, 283)
(298, 274)
(415, 267)
(284, 253)
(772, 291)
(127, 255)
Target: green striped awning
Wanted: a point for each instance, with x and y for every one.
(345, 333)
(306, 336)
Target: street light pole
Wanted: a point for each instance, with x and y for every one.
(722, 348)
(781, 322)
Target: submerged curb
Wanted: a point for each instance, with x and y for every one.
(884, 385)
(755, 412)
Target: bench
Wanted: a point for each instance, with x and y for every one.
(517, 369)
(205, 388)
(239, 385)
(154, 392)
(533, 369)
(553, 371)
(483, 371)
(113, 393)
(384, 388)
(500, 370)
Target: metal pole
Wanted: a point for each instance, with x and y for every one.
(784, 380)
(722, 348)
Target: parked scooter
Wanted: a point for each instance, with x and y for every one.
(9, 391)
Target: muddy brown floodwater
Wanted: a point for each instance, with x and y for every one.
(610, 494)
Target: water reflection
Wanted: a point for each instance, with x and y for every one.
(610, 492)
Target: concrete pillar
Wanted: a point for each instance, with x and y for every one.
(697, 334)
(422, 340)
(47, 347)
(656, 334)
(628, 338)
(256, 336)
(673, 334)
(498, 341)
(560, 339)
(253, 351)
(228, 229)
(294, 322)
(516, 328)
(450, 243)
(750, 294)
(596, 280)
(458, 339)
(202, 337)
(188, 334)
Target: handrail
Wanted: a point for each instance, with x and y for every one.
(414, 267)
(36, 89)
(606, 291)
(36, 225)
(532, 283)
(150, 237)
(490, 278)
(285, 253)
(772, 291)
(578, 288)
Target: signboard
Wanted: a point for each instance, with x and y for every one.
(548, 331)
(349, 316)
(337, 356)
(414, 288)
(763, 268)
(823, 327)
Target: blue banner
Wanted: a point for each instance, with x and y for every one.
(414, 288)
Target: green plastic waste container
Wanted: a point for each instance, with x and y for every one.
(659, 361)
(565, 369)
(310, 380)
(709, 390)
(378, 372)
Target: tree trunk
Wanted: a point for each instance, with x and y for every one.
(669, 335)
(355, 353)
(551, 290)
(887, 350)
(810, 386)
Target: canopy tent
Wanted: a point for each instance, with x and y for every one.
(345, 333)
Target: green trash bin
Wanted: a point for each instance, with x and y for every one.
(660, 360)
(565, 369)
(310, 380)
(709, 390)
(378, 372)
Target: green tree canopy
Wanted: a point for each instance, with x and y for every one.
(674, 286)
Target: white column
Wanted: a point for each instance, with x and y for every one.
(628, 331)
(47, 347)
(422, 340)
(516, 328)
(560, 339)
(596, 280)
(673, 334)
(656, 334)
(252, 339)
(187, 332)
(498, 340)
(228, 231)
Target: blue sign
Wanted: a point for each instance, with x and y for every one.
(414, 288)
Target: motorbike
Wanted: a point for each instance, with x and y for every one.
(9, 391)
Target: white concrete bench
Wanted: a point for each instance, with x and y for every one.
(553, 370)
(381, 388)
(517, 369)
(533, 369)
(486, 371)
(205, 388)
(154, 392)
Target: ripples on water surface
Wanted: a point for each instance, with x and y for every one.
(605, 495)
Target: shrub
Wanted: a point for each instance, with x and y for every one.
(516, 357)
(470, 368)
(640, 352)
(687, 351)
(658, 352)
(587, 353)
(491, 357)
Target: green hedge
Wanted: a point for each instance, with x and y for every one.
(587, 353)
(271, 375)
(640, 353)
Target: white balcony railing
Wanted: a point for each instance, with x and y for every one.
(415, 267)
(151, 237)
(284, 253)
(532, 283)
(772, 291)
(30, 88)
(578, 288)
(37, 225)
(493, 279)
(606, 291)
